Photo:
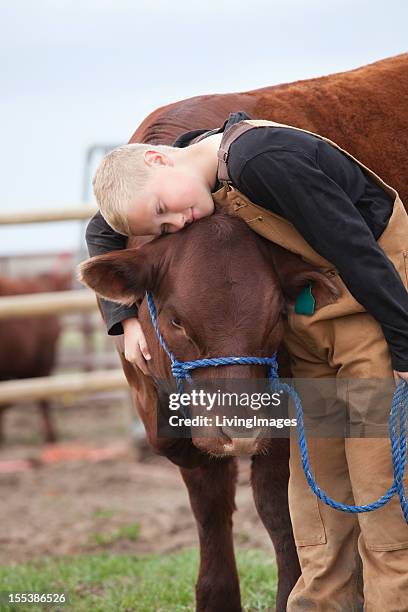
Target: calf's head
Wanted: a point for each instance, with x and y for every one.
(219, 290)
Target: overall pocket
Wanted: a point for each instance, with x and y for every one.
(307, 523)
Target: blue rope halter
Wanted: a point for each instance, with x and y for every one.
(398, 417)
(181, 369)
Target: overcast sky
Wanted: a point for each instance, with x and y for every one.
(79, 72)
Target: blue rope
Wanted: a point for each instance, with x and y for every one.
(181, 369)
(398, 420)
(398, 451)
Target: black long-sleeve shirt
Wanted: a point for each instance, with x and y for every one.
(332, 202)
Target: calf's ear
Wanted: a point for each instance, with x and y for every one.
(294, 273)
(119, 276)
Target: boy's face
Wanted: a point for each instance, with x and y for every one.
(172, 199)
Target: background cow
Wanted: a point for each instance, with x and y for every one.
(28, 346)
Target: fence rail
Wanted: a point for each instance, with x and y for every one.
(72, 213)
(55, 303)
(61, 385)
(37, 304)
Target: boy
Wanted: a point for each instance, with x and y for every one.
(179, 192)
(341, 212)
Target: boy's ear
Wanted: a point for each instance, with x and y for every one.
(120, 276)
(294, 273)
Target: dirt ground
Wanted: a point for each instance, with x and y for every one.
(70, 500)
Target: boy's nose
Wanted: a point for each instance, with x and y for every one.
(181, 220)
(177, 221)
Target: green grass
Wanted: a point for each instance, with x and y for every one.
(103, 513)
(124, 583)
(126, 532)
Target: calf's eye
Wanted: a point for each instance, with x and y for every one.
(177, 323)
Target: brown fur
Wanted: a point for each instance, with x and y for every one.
(28, 346)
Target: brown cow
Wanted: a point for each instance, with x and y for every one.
(224, 309)
(28, 346)
(364, 111)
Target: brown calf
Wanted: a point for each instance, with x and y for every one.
(219, 289)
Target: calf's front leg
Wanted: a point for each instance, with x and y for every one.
(211, 489)
(269, 478)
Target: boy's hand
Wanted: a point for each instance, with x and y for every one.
(136, 350)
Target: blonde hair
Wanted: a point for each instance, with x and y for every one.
(118, 178)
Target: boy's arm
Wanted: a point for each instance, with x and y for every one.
(329, 221)
(101, 238)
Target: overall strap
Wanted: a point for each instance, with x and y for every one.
(228, 137)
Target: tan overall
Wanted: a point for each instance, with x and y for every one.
(337, 340)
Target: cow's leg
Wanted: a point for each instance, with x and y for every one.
(211, 488)
(269, 478)
(47, 424)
